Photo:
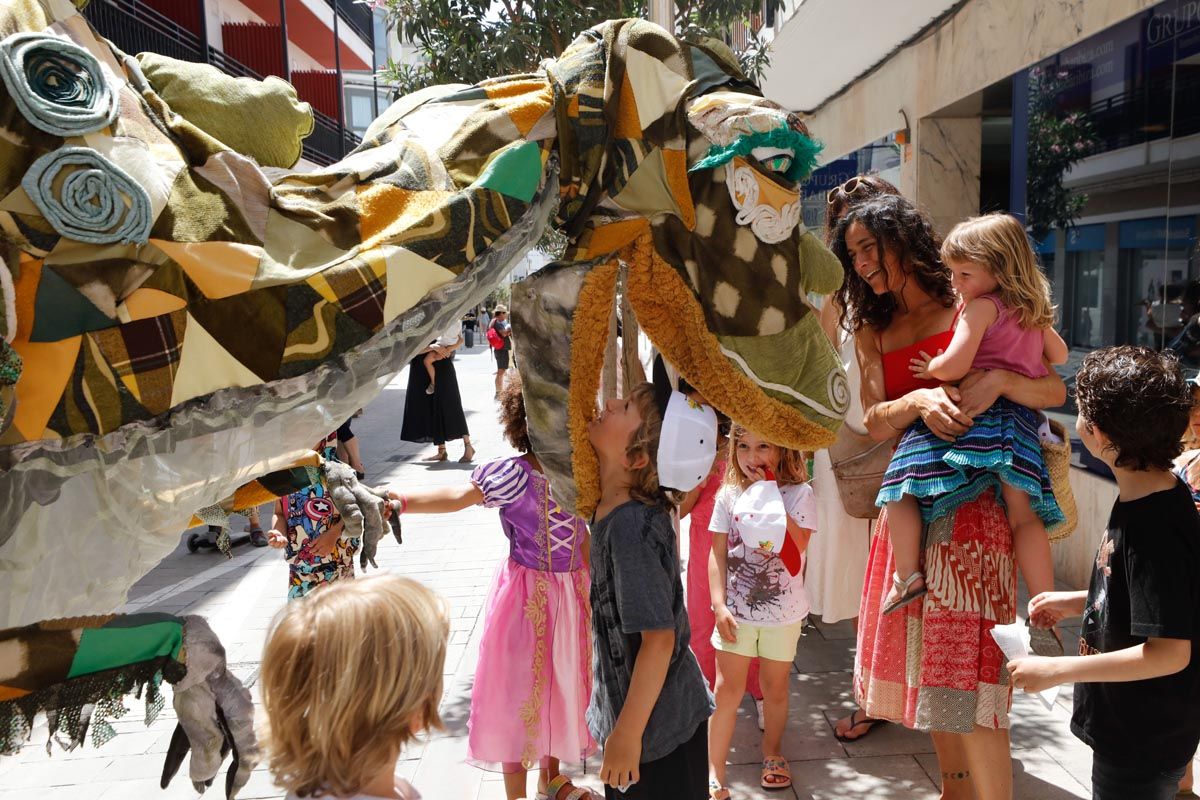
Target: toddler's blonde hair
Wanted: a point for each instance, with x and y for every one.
(349, 674)
(791, 468)
(998, 242)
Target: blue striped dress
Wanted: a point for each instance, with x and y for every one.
(1002, 446)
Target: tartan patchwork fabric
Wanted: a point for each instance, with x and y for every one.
(144, 355)
(360, 291)
(246, 312)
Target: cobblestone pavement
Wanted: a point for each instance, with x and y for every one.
(457, 555)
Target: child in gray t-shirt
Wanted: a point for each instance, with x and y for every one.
(650, 704)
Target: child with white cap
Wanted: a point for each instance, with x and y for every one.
(650, 703)
(764, 516)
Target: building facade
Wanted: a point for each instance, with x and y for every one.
(1081, 117)
(291, 39)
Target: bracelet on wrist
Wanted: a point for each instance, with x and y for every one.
(888, 422)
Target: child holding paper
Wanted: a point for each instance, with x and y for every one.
(1137, 678)
(761, 524)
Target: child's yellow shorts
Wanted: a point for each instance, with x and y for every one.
(773, 642)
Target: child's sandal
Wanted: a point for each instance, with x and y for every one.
(907, 593)
(556, 785)
(716, 791)
(776, 774)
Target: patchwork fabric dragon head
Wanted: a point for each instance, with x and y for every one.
(680, 193)
(180, 316)
(179, 319)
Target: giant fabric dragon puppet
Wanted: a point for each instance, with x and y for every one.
(179, 318)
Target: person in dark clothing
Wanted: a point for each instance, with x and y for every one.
(1137, 678)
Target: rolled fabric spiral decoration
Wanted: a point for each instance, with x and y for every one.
(57, 85)
(96, 201)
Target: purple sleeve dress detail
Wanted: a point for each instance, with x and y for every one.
(502, 482)
(542, 536)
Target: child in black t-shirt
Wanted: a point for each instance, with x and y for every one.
(1137, 678)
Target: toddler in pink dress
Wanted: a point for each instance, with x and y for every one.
(534, 674)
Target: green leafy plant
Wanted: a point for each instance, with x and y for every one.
(1056, 142)
(466, 41)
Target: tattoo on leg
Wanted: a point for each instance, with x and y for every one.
(956, 776)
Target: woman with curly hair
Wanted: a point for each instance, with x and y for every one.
(835, 563)
(931, 665)
(534, 677)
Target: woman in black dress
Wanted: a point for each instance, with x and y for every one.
(436, 417)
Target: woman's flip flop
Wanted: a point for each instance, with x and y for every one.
(856, 721)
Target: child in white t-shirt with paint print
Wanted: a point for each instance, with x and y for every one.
(759, 601)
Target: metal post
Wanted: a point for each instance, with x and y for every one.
(374, 68)
(287, 73)
(203, 32)
(337, 65)
(662, 12)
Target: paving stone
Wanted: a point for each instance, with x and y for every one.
(458, 555)
(876, 777)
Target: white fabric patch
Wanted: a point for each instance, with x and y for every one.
(772, 322)
(726, 299)
(769, 225)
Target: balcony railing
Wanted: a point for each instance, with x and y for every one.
(136, 28)
(321, 146)
(1155, 109)
(358, 16)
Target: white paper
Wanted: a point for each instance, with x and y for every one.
(1013, 641)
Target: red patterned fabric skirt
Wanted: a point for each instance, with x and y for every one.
(933, 665)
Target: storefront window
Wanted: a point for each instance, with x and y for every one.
(1085, 268)
(1105, 157)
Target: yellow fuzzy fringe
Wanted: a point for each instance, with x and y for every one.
(589, 334)
(671, 316)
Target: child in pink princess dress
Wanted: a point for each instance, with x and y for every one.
(533, 678)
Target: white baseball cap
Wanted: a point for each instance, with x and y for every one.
(687, 443)
(761, 516)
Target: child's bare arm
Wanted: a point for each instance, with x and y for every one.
(955, 362)
(718, 574)
(689, 501)
(277, 536)
(1154, 659)
(1056, 350)
(801, 536)
(623, 749)
(442, 500)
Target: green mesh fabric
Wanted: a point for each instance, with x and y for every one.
(806, 151)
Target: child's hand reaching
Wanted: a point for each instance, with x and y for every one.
(920, 365)
(1047, 608)
(323, 545)
(1034, 673)
(725, 623)
(276, 538)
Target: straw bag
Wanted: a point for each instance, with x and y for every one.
(859, 463)
(1058, 464)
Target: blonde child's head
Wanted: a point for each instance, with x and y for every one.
(349, 674)
(748, 451)
(626, 433)
(998, 244)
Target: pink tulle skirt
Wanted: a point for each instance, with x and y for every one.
(534, 674)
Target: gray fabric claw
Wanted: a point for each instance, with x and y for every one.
(216, 716)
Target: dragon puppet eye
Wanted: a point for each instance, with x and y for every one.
(774, 159)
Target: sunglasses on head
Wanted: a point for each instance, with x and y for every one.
(847, 189)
